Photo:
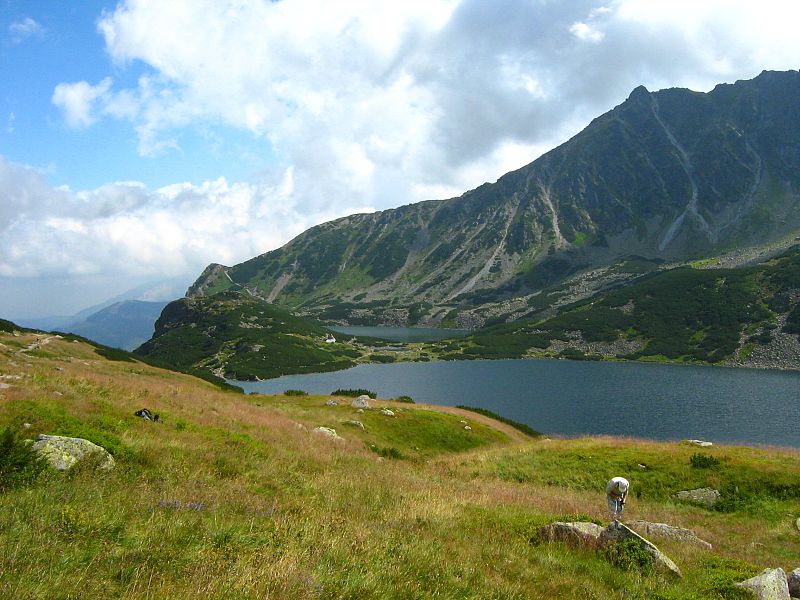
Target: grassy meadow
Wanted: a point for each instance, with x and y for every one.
(233, 496)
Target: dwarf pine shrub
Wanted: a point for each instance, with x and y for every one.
(20, 465)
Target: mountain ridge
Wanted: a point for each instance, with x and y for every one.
(671, 175)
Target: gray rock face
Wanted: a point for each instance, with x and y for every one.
(705, 496)
(63, 452)
(794, 583)
(617, 532)
(361, 402)
(670, 532)
(769, 585)
(576, 535)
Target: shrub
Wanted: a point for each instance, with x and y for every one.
(629, 554)
(19, 464)
(354, 393)
(704, 461)
(406, 399)
(526, 429)
(295, 393)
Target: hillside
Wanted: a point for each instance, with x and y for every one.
(747, 316)
(671, 175)
(232, 496)
(235, 336)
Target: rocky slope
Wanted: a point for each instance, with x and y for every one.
(669, 175)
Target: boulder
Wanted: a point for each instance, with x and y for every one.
(355, 423)
(700, 443)
(63, 452)
(361, 402)
(705, 496)
(331, 402)
(386, 412)
(669, 532)
(617, 532)
(329, 433)
(794, 583)
(769, 585)
(576, 535)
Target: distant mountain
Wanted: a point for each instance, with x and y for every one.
(125, 325)
(667, 176)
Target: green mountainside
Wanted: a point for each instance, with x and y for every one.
(231, 335)
(684, 314)
(671, 175)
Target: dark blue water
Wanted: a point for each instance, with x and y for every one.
(572, 398)
(403, 334)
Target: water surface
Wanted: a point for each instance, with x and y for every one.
(570, 398)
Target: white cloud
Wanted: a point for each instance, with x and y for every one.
(79, 100)
(586, 32)
(24, 29)
(126, 230)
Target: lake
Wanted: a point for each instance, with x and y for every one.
(569, 398)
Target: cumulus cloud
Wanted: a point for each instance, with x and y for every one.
(124, 229)
(23, 29)
(79, 100)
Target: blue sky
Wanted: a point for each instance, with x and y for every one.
(141, 140)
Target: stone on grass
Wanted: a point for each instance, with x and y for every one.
(576, 535)
(387, 413)
(669, 532)
(329, 433)
(63, 452)
(617, 532)
(794, 583)
(467, 428)
(361, 402)
(797, 523)
(700, 443)
(706, 496)
(331, 402)
(769, 585)
(4, 386)
(355, 423)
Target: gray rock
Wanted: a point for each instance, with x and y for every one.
(797, 523)
(794, 583)
(329, 433)
(387, 413)
(361, 402)
(576, 535)
(617, 532)
(63, 452)
(769, 585)
(331, 402)
(669, 532)
(4, 386)
(467, 428)
(705, 496)
(700, 443)
(355, 423)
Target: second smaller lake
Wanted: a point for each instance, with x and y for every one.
(403, 334)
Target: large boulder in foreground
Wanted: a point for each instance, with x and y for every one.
(669, 532)
(769, 585)
(617, 532)
(63, 452)
(577, 535)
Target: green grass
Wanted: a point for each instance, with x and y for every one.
(233, 496)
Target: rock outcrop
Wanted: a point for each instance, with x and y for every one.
(794, 583)
(708, 497)
(577, 535)
(329, 433)
(769, 585)
(669, 532)
(63, 452)
(361, 402)
(617, 532)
